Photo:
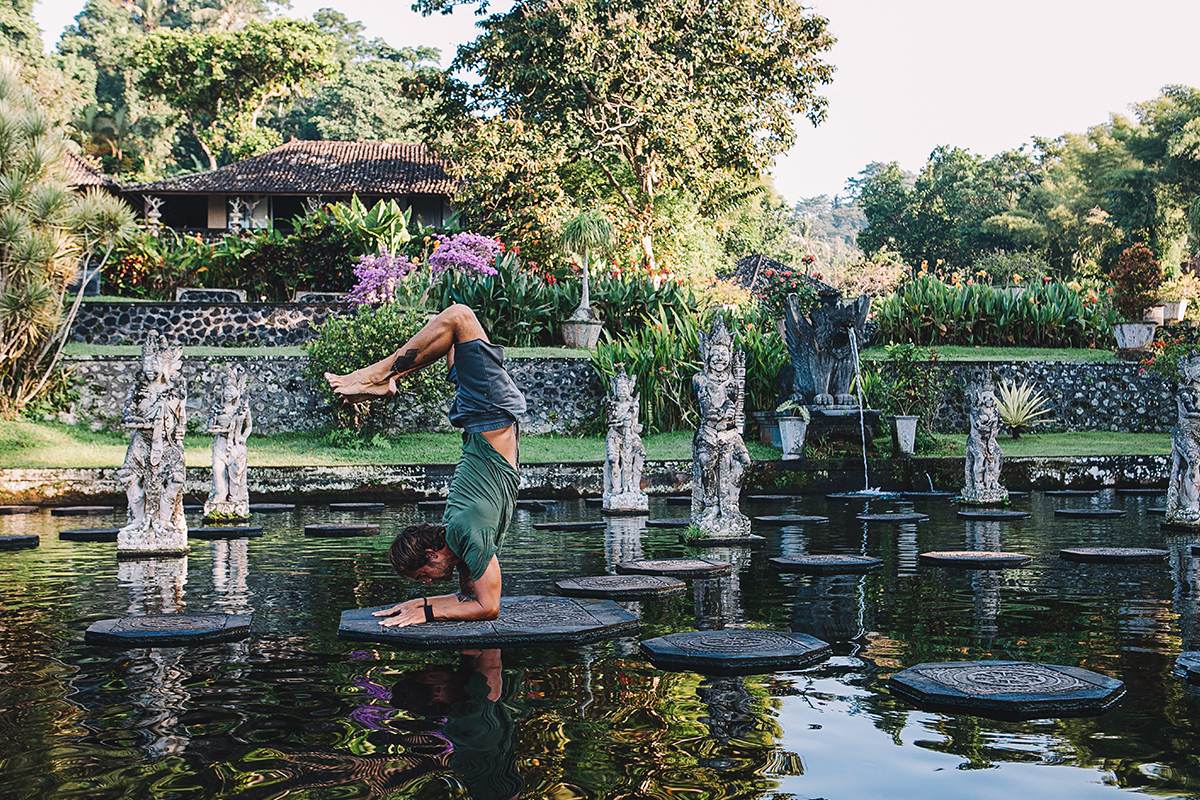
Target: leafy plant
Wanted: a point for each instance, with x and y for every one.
(783, 282)
(1185, 286)
(1020, 405)
(915, 382)
(587, 231)
(382, 227)
(1136, 280)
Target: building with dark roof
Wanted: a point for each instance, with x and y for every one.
(270, 189)
(82, 174)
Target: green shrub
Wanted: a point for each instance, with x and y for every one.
(1003, 268)
(914, 383)
(154, 264)
(1135, 280)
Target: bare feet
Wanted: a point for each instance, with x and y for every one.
(361, 385)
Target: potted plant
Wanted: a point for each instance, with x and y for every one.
(588, 231)
(914, 387)
(1176, 293)
(1136, 280)
(793, 419)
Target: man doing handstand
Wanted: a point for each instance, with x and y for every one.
(483, 492)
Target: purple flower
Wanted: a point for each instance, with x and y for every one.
(379, 278)
(468, 253)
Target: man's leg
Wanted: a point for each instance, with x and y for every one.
(456, 324)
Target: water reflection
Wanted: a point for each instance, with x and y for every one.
(830, 607)
(623, 539)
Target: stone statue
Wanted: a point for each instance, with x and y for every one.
(153, 472)
(1183, 491)
(624, 451)
(229, 422)
(983, 453)
(719, 456)
(824, 346)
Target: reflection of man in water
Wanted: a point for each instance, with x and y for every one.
(477, 724)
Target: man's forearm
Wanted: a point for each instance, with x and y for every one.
(461, 606)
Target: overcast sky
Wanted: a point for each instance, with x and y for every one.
(913, 74)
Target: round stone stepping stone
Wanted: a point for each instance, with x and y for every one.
(749, 540)
(1143, 492)
(860, 495)
(532, 621)
(734, 652)
(271, 508)
(534, 506)
(678, 501)
(80, 511)
(1072, 492)
(829, 564)
(791, 519)
(676, 567)
(583, 525)
(227, 532)
(169, 629)
(6, 510)
(1113, 555)
(996, 514)
(670, 522)
(334, 529)
(1156, 510)
(622, 587)
(1007, 689)
(432, 505)
(357, 506)
(934, 495)
(1187, 666)
(19, 541)
(1089, 513)
(90, 535)
(976, 559)
(895, 516)
(772, 498)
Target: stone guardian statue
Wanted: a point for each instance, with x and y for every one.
(824, 346)
(624, 451)
(1183, 491)
(229, 422)
(983, 452)
(719, 456)
(153, 472)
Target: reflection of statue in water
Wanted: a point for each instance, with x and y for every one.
(719, 456)
(153, 472)
(1183, 491)
(731, 719)
(983, 452)
(624, 451)
(230, 422)
(822, 346)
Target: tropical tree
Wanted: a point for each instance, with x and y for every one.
(587, 231)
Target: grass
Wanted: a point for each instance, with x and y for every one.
(112, 350)
(958, 353)
(1076, 443)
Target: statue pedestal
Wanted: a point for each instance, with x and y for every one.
(147, 538)
(984, 497)
(841, 424)
(227, 510)
(626, 503)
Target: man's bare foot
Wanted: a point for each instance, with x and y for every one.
(361, 385)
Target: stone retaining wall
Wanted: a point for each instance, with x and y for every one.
(213, 324)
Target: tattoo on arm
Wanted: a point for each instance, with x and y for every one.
(465, 597)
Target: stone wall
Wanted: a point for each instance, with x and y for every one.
(214, 324)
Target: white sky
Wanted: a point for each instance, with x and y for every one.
(912, 74)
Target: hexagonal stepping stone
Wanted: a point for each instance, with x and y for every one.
(193, 509)
(1018, 495)
(975, 559)
(1007, 689)
(622, 587)
(1142, 492)
(1113, 555)
(1072, 492)
(774, 498)
(676, 567)
(593, 502)
(893, 517)
(580, 525)
(357, 506)
(827, 564)
(669, 522)
(90, 535)
(736, 651)
(1156, 510)
(791, 519)
(931, 495)
(226, 532)
(1089, 513)
(749, 540)
(1187, 666)
(432, 505)
(6, 510)
(678, 500)
(533, 621)
(19, 541)
(271, 508)
(80, 511)
(330, 529)
(156, 630)
(860, 495)
(997, 514)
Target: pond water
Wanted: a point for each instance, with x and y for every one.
(292, 711)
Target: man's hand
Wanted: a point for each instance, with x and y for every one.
(401, 615)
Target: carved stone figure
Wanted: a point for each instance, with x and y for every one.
(229, 422)
(1183, 491)
(983, 453)
(719, 456)
(823, 347)
(624, 451)
(153, 472)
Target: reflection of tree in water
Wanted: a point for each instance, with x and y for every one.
(829, 607)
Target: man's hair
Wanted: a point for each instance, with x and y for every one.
(409, 546)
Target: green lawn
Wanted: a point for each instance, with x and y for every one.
(957, 353)
(1077, 443)
(79, 349)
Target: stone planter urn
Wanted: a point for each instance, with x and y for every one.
(1155, 314)
(581, 333)
(904, 434)
(792, 431)
(768, 428)
(1175, 310)
(1134, 335)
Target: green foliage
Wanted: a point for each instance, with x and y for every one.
(1020, 405)
(1135, 280)
(1000, 268)
(154, 264)
(783, 283)
(914, 382)
(382, 227)
(516, 306)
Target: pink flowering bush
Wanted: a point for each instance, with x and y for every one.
(468, 253)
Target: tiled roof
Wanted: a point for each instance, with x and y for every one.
(308, 168)
(81, 173)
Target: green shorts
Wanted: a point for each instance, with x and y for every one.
(480, 506)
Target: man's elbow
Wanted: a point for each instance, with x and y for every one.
(489, 612)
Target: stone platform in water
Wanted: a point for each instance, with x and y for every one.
(190, 508)
(80, 511)
(735, 652)
(975, 559)
(19, 541)
(999, 514)
(593, 502)
(6, 510)
(226, 532)
(622, 587)
(830, 564)
(774, 498)
(1187, 666)
(669, 522)
(1072, 492)
(1007, 689)
(893, 517)
(678, 500)
(533, 621)
(90, 535)
(534, 506)
(1089, 513)
(1156, 510)
(1114, 555)
(271, 508)
(432, 505)
(159, 630)
(932, 495)
(357, 506)
(335, 530)
(676, 567)
(583, 525)
(1143, 492)
(861, 495)
(791, 519)
(1179, 527)
(749, 540)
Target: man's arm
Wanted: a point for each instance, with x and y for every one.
(476, 600)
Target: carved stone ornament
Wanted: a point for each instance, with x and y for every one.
(624, 452)
(229, 422)
(1183, 491)
(984, 458)
(822, 347)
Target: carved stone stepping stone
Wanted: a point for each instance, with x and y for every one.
(975, 559)
(1113, 555)
(80, 511)
(357, 506)
(532, 621)
(933, 495)
(622, 587)
(432, 505)
(676, 567)
(228, 532)
(1156, 510)
(335, 530)
(736, 651)
(157, 630)
(791, 519)
(1072, 492)
(1007, 689)
(1089, 513)
(1143, 492)
(582, 525)
(1179, 527)
(895, 517)
(678, 501)
(90, 535)
(593, 502)
(999, 514)
(749, 540)
(829, 564)
(6, 510)
(1187, 666)
(19, 541)
(534, 506)
(271, 508)
(773, 498)
(860, 495)
(670, 522)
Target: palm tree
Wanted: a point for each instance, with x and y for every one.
(589, 230)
